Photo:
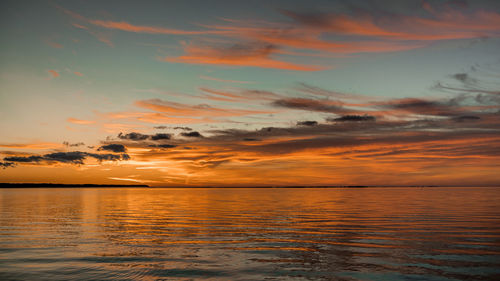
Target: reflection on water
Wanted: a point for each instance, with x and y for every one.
(250, 234)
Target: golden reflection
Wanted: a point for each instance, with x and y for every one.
(161, 232)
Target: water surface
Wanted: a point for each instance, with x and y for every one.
(250, 234)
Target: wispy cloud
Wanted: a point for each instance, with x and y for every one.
(201, 110)
(80, 121)
(53, 73)
(264, 44)
(53, 44)
(240, 54)
(125, 26)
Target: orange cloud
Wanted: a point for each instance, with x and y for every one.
(159, 118)
(178, 109)
(79, 26)
(241, 95)
(54, 44)
(362, 31)
(125, 26)
(79, 121)
(247, 55)
(54, 73)
(446, 24)
(78, 73)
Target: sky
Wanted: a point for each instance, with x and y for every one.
(250, 93)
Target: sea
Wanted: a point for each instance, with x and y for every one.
(378, 233)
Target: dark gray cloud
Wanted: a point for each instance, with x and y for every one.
(72, 157)
(113, 147)
(5, 165)
(192, 135)
(251, 139)
(426, 107)
(109, 157)
(183, 128)
(24, 159)
(175, 128)
(466, 118)
(73, 144)
(307, 123)
(161, 137)
(349, 118)
(310, 105)
(133, 136)
(163, 145)
(453, 89)
(464, 78)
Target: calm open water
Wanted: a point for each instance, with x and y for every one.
(250, 234)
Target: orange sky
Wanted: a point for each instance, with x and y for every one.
(290, 93)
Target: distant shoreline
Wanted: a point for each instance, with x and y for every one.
(60, 185)
(57, 185)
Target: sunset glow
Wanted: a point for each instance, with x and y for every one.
(226, 93)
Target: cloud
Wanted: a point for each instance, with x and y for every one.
(113, 147)
(109, 157)
(174, 109)
(78, 73)
(263, 43)
(161, 137)
(448, 23)
(163, 145)
(175, 128)
(192, 135)
(298, 36)
(183, 128)
(317, 91)
(133, 180)
(24, 159)
(54, 44)
(125, 26)
(72, 157)
(79, 121)
(73, 144)
(307, 123)
(242, 95)
(347, 118)
(133, 136)
(311, 105)
(424, 107)
(413, 136)
(53, 73)
(251, 139)
(254, 54)
(5, 165)
(466, 118)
